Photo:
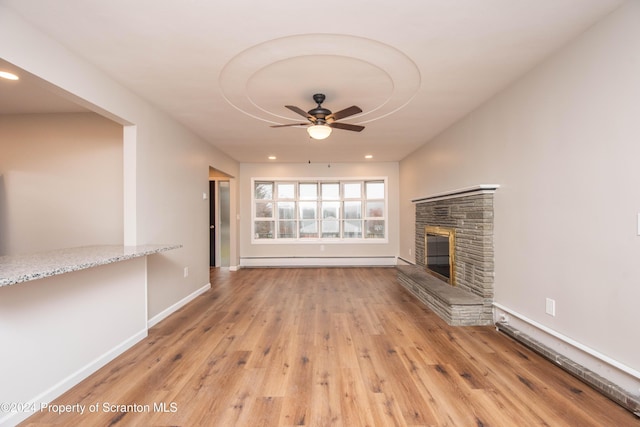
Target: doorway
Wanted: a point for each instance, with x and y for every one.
(220, 198)
(212, 224)
(219, 219)
(225, 223)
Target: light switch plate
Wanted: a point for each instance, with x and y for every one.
(551, 307)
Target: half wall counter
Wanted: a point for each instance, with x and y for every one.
(66, 313)
(23, 268)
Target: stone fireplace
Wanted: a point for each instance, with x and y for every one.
(462, 293)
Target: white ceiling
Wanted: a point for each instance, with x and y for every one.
(226, 69)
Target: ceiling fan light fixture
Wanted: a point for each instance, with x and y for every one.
(319, 131)
(323, 120)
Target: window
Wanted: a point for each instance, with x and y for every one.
(264, 215)
(348, 211)
(374, 211)
(352, 208)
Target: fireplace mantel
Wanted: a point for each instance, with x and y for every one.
(462, 192)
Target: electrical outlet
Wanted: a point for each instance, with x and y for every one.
(410, 250)
(550, 307)
(186, 271)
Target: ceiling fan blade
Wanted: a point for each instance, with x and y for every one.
(346, 126)
(301, 112)
(344, 113)
(293, 124)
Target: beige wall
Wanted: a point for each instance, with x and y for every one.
(563, 143)
(61, 182)
(166, 167)
(318, 171)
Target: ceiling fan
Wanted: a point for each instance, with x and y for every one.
(322, 120)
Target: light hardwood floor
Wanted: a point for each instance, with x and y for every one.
(323, 347)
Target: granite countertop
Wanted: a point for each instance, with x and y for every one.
(23, 268)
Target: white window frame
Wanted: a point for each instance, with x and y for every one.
(341, 220)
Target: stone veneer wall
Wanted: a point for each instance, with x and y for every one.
(471, 216)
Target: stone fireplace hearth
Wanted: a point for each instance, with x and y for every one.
(469, 213)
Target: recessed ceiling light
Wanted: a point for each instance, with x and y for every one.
(9, 76)
(272, 157)
(368, 156)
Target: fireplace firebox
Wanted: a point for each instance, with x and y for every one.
(439, 243)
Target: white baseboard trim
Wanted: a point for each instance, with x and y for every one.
(383, 261)
(175, 307)
(13, 418)
(616, 372)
